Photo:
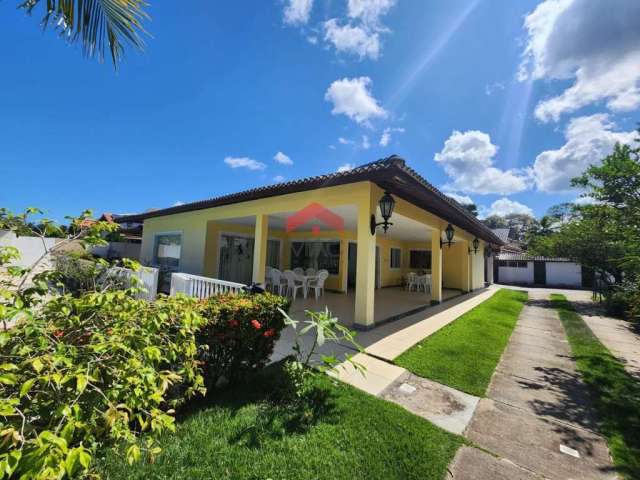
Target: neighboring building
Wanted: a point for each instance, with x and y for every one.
(521, 269)
(126, 243)
(511, 245)
(324, 222)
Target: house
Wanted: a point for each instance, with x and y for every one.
(522, 269)
(125, 243)
(511, 245)
(235, 237)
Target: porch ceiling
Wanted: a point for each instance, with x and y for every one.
(403, 228)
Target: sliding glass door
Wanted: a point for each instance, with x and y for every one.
(236, 258)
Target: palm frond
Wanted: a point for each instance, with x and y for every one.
(98, 24)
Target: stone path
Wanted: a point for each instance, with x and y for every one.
(536, 418)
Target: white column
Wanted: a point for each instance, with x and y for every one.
(366, 265)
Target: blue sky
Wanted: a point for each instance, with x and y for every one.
(533, 94)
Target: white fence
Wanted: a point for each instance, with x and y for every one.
(147, 280)
(202, 287)
(31, 248)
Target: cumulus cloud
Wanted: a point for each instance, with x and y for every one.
(278, 178)
(282, 159)
(352, 39)
(596, 43)
(244, 162)
(352, 97)
(588, 140)
(178, 203)
(467, 158)
(462, 199)
(385, 138)
(365, 143)
(369, 11)
(297, 12)
(346, 167)
(344, 141)
(505, 206)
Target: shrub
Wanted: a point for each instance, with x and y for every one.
(81, 372)
(240, 333)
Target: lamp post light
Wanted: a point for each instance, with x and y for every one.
(387, 204)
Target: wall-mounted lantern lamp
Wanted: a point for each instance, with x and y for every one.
(476, 245)
(387, 204)
(449, 232)
(488, 251)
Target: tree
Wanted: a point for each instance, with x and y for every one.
(495, 221)
(472, 208)
(97, 24)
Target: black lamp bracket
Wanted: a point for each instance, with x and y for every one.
(373, 224)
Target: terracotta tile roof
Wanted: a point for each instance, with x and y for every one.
(390, 173)
(527, 258)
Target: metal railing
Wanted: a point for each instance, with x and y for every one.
(202, 287)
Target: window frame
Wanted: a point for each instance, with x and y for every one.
(391, 267)
(154, 252)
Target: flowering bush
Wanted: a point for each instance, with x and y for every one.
(81, 372)
(240, 333)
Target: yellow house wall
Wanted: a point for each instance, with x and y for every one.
(455, 266)
(200, 233)
(477, 268)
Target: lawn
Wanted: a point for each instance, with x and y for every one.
(242, 436)
(465, 353)
(615, 393)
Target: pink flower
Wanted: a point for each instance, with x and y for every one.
(256, 324)
(269, 333)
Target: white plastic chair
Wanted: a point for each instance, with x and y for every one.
(278, 284)
(411, 281)
(293, 284)
(317, 285)
(310, 271)
(423, 282)
(267, 278)
(298, 271)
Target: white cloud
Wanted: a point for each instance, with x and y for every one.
(353, 39)
(588, 140)
(346, 167)
(491, 88)
(385, 138)
(344, 141)
(467, 158)
(297, 12)
(369, 11)
(282, 159)
(505, 206)
(462, 199)
(244, 162)
(365, 143)
(278, 178)
(178, 203)
(596, 43)
(351, 97)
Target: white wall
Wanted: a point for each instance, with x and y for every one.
(565, 274)
(118, 250)
(516, 275)
(31, 248)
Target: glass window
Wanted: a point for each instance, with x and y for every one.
(395, 258)
(166, 252)
(420, 259)
(317, 255)
(273, 253)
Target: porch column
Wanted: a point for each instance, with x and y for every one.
(466, 268)
(260, 248)
(436, 266)
(366, 265)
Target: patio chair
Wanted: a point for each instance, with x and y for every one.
(293, 283)
(278, 283)
(267, 278)
(411, 281)
(298, 271)
(323, 270)
(310, 271)
(423, 282)
(317, 285)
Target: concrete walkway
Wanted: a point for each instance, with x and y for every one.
(536, 418)
(620, 337)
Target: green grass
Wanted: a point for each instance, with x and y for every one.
(243, 436)
(615, 393)
(465, 353)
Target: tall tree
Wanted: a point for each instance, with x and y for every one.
(99, 25)
(472, 208)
